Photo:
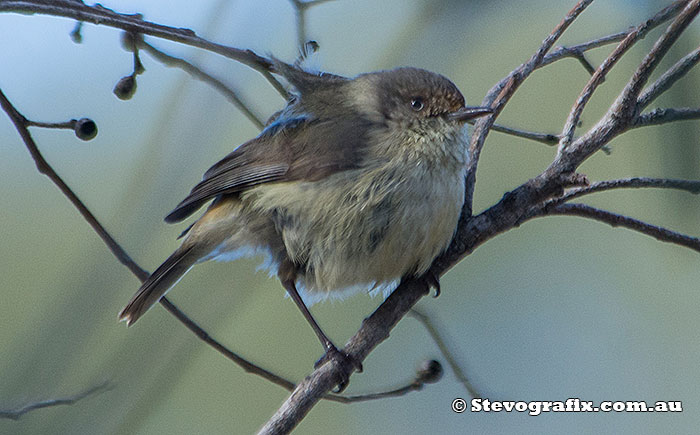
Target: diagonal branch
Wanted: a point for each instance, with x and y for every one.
(435, 335)
(668, 79)
(626, 105)
(204, 76)
(135, 24)
(501, 93)
(373, 331)
(21, 123)
(659, 233)
(43, 167)
(598, 77)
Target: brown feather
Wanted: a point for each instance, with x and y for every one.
(290, 150)
(158, 284)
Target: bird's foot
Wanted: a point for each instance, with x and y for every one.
(345, 360)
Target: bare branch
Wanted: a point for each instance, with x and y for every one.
(100, 15)
(373, 331)
(21, 124)
(42, 165)
(300, 8)
(16, 414)
(599, 76)
(545, 138)
(578, 51)
(200, 74)
(501, 93)
(668, 79)
(663, 116)
(626, 105)
(691, 186)
(435, 335)
(615, 220)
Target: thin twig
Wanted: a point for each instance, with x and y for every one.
(668, 79)
(205, 337)
(578, 51)
(43, 166)
(300, 8)
(626, 105)
(21, 124)
(613, 219)
(545, 138)
(435, 335)
(598, 77)
(664, 116)
(691, 186)
(68, 125)
(501, 93)
(100, 15)
(16, 414)
(202, 75)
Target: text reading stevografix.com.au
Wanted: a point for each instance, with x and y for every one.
(537, 407)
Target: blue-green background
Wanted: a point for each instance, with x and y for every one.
(558, 308)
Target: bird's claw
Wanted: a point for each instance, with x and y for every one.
(332, 353)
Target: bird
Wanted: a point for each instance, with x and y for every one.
(355, 184)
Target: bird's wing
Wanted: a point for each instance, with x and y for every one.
(295, 149)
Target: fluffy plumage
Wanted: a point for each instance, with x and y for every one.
(356, 183)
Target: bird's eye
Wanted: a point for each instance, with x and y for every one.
(417, 104)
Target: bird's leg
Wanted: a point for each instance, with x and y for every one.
(287, 275)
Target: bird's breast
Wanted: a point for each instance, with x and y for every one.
(363, 227)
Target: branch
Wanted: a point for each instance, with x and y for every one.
(627, 105)
(659, 233)
(501, 93)
(663, 116)
(598, 77)
(21, 123)
(100, 15)
(300, 8)
(435, 335)
(373, 331)
(578, 51)
(545, 138)
(200, 74)
(668, 79)
(16, 414)
(691, 186)
(622, 114)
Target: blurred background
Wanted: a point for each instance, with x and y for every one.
(558, 308)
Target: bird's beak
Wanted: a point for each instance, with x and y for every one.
(467, 113)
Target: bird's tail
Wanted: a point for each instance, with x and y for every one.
(160, 281)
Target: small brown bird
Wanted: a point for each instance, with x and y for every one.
(355, 184)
